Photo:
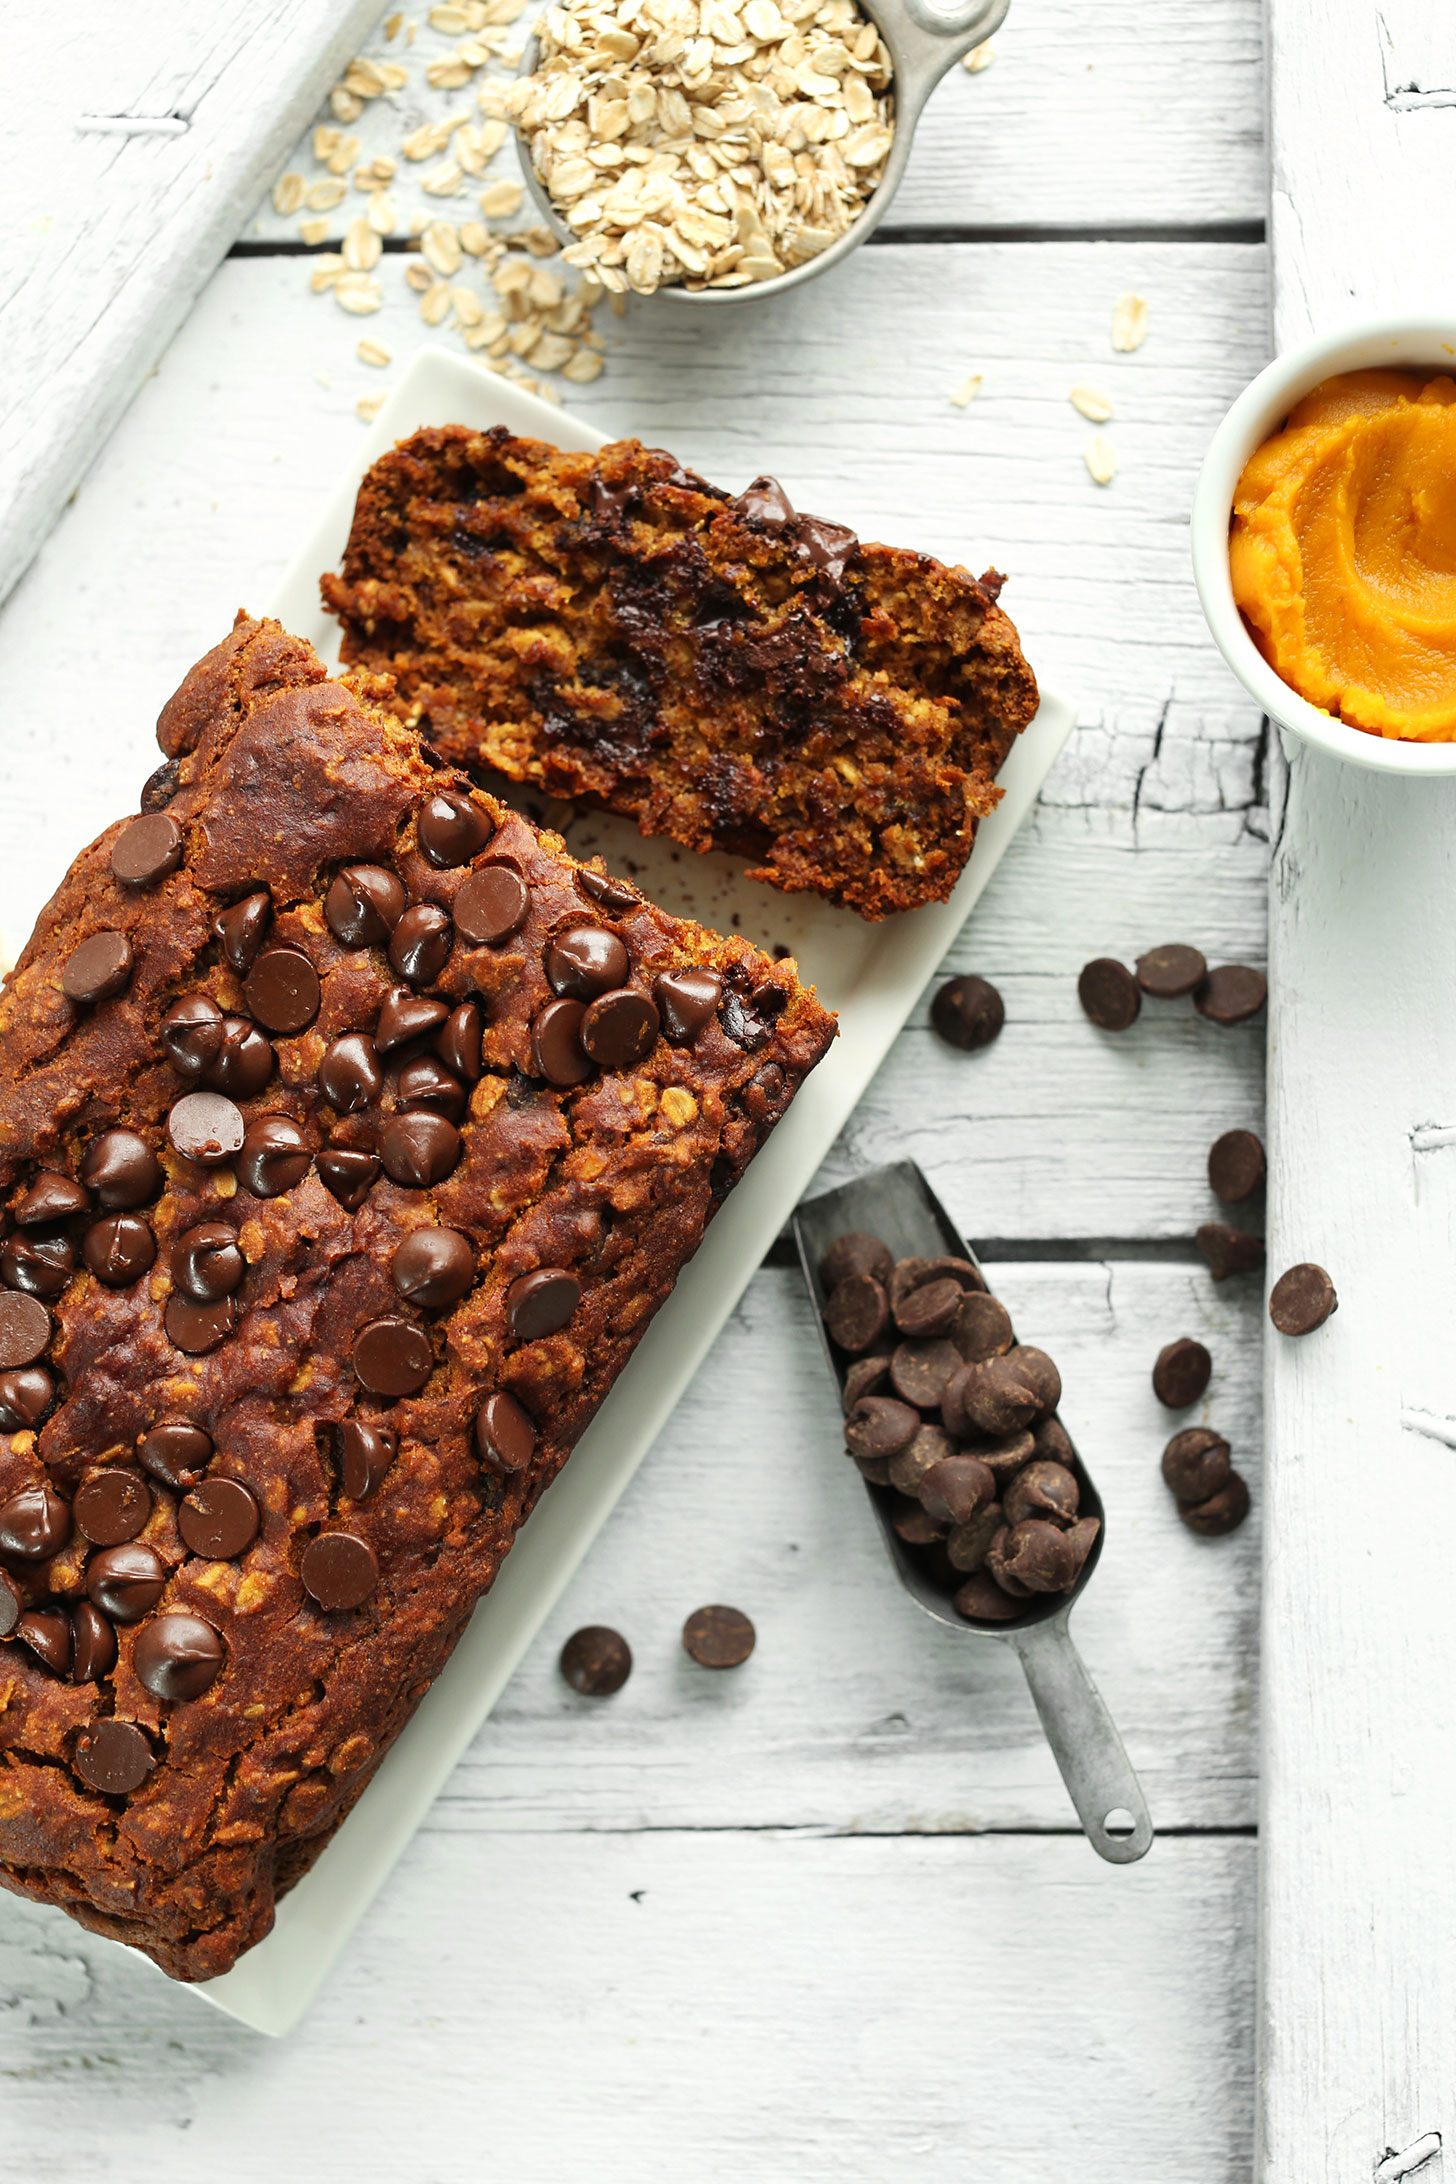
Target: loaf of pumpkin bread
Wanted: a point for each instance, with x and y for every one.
(351, 1133)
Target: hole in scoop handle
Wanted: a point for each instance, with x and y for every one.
(969, 24)
(1085, 1743)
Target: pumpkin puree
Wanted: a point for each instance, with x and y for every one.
(1343, 552)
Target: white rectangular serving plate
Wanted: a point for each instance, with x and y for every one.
(871, 974)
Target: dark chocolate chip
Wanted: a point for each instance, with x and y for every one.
(1039, 1556)
(452, 828)
(585, 960)
(1053, 1442)
(363, 905)
(1109, 994)
(177, 1657)
(12, 1604)
(880, 1426)
(350, 1076)
(607, 891)
(1223, 1512)
(490, 905)
(505, 1438)
(968, 1544)
(856, 1253)
(929, 1310)
(1080, 1538)
(458, 1041)
(556, 1049)
(433, 1267)
(419, 946)
(126, 1582)
(1043, 1490)
(275, 1156)
(99, 968)
(113, 1757)
(419, 1148)
(219, 1519)
(244, 1060)
(993, 1397)
(25, 1397)
(198, 1328)
(40, 1265)
(349, 1175)
(765, 502)
(596, 1661)
(968, 1013)
(34, 1524)
(1230, 994)
(191, 1033)
(25, 1328)
(1196, 1464)
(908, 1466)
(205, 1127)
(1181, 1373)
(147, 850)
(1004, 1454)
(1236, 1166)
(919, 1371)
(718, 1637)
(981, 1600)
(339, 1569)
(856, 1312)
(393, 1357)
(118, 1249)
(93, 1644)
(366, 1452)
(981, 1328)
(541, 1303)
(865, 1376)
(240, 929)
(687, 1000)
(176, 1453)
(1228, 1250)
(874, 1468)
(956, 1488)
(404, 1016)
(282, 990)
(827, 547)
(1167, 973)
(1038, 1373)
(206, 1262)
(620, 1029)
(426, 1082)
(112, 1507)
(1302, 1299)
(51, 1197)
(122, 1170)
(47, 1632)
(160, 787)
(916, 1526)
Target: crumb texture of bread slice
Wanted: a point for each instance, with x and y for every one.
(489, 1099)
(723, 671)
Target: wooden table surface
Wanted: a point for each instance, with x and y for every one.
(828, 1917)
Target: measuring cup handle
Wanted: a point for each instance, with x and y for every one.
(1084, 1741)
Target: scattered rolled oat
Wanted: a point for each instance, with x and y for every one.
(1100, 457)
(288, 193)
(965, 394)
(1129, 322)
(313, 232)
(1095, 407)
(979, 57)
(369, 406)
(373, 352)
(715, 144)
(323, 196)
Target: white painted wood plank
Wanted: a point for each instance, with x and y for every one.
(1359, 1981)
(109, 237)
(640, 2010)
(1078, 123)
(1151, 826)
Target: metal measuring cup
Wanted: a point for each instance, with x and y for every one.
(924, 42)
(897, 1205)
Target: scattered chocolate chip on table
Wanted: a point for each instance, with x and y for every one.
(718, 1637)
(968, 1012)
(1231, 993)
(1181, 1372)
(1169, 972)
(1212, 1498)
(1302, 1299)
(1236, 1166)
(1109, 994)
(596, 1661)
(1229, 1250)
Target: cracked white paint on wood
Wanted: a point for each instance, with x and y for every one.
(1358, 2014)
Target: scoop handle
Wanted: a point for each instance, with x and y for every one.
(1084, 1741)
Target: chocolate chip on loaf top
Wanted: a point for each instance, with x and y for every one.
(722, 670)
(351, 1133)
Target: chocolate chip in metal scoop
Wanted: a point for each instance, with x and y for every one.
(596, 1661)
(25, 1328)
(1302, 1299)
(929, 1310)
(981, 1328)
(98, 969)
(282, 990)
(1181, 1372)
(339, 1569)
(147, 850)
(968, 1013)
(906, 1469)
(1236, 1166)
(1109, 994)
(1228, 1250)
(856, 1312)
(920, 1371)
(1231, 993)
(981, 1600)
(113, 1757)
(177, 1657)
(855, 1253)
(718, 1637)
(880, 1426)
(1169, 972)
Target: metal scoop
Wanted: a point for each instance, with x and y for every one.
(898, 1205)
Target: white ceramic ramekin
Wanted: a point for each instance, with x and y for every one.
(1259, 411)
